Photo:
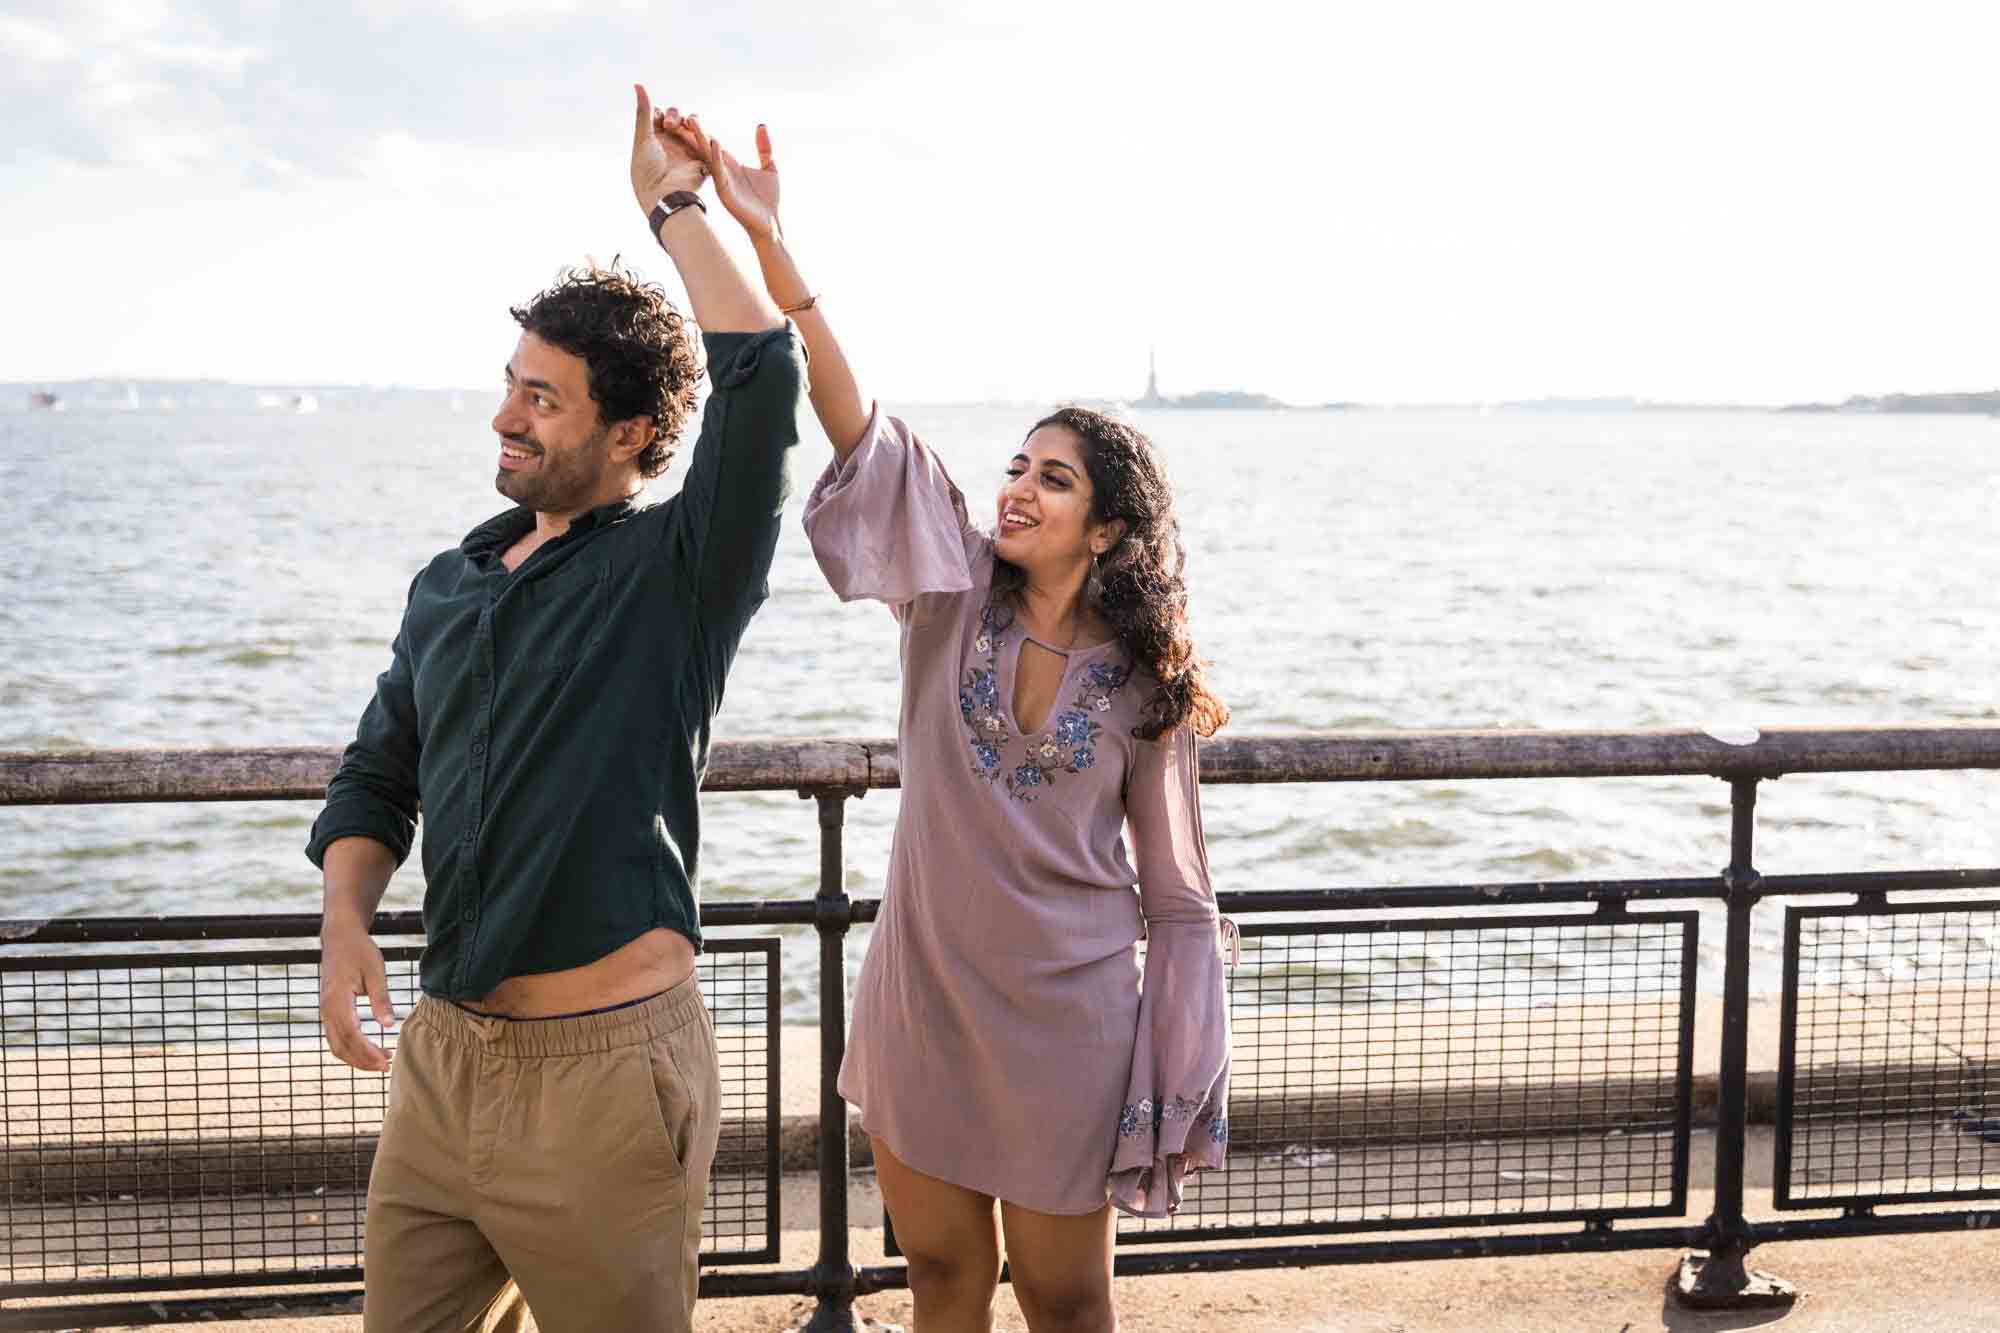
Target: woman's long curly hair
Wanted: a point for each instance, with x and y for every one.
(1136, 586)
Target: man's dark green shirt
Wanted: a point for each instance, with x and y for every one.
(553, 722)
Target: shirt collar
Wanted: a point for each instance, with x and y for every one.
(501, 531)
(617, 511)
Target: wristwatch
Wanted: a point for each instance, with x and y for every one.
(672, 204)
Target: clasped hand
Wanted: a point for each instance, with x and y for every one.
(672, 152)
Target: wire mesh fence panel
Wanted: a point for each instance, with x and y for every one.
(739, 979)
(176, 1120)
(1887, 1091)
(181, 1119)
(1434, 1072)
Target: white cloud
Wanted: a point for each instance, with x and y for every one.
(1407, 201)
(26, 39)
(122, 86)
(207, 58)
(460, 173)
(493, 11)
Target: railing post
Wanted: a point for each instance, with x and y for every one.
(1720, 1280)
(834, 1274)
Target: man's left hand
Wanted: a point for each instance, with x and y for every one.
(662, 159)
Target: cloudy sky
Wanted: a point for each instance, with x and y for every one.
(1754, 201)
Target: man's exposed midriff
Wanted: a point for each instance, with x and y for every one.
(657, 961)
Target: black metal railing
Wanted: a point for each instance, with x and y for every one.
(1517, 1066)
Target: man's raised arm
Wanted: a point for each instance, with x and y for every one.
(722, 298)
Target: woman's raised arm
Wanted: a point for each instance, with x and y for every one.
(751, 196)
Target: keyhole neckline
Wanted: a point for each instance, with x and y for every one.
(1010, 656)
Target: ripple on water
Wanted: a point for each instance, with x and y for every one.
(838, 713)
(1402, 834)
(1779, 823)
(277, 821)
(261, 655)
(1538, 862)
(115, 851)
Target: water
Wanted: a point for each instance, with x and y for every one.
(233, 577)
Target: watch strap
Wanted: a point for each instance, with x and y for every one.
(671, 204)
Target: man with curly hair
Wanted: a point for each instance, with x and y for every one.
(553, 1110)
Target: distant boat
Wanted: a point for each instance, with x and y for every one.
(304, 404)
(43, 399)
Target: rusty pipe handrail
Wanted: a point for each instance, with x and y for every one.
(280, 773)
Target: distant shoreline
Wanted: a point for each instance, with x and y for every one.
(1958, 404)
(111, 393)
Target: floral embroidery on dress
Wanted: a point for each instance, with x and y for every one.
(1065, 747)
(1149, 1114)
(979, 700)
(1068, 745)
(1104, 680)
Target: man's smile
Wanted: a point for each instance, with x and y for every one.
(515, 456)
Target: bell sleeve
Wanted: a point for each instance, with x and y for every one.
(1175, 1115)
(886, 523)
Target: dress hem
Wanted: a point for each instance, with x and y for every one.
(920, 1169)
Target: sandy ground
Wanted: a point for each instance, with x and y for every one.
(1911, 1284)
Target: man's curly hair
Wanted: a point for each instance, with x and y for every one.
(637, 347)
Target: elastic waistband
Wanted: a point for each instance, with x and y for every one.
(627, 1025)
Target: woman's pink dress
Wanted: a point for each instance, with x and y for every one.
(1003, 1038)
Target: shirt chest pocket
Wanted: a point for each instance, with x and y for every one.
(561, 617)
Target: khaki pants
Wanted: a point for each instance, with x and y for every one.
(561, 1163)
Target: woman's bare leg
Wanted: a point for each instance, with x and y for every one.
(1061, 1268)
(949, 1236)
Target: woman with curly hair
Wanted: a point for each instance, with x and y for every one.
(1006, 1046)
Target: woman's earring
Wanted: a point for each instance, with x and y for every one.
(1093, 586)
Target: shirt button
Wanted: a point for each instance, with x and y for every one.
(469, 913)
(478, 748)
(468, 835)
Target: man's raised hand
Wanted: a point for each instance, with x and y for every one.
(663, 160)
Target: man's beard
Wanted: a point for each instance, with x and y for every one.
(564, 483)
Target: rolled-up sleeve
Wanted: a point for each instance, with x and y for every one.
(374, 792)
(734, 494)
(1175, 1116)
(887, 524)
